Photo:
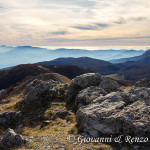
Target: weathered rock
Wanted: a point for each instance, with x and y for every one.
(117, 113)
(37, 93)
(11, 140)
(139, 93)
(87, 96)
(144, 94)
(31, 85)
(143, 83)
(81, 82)
(11, 119)
(109, 85)
(57, 92)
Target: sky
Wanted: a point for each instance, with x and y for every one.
(75, 22)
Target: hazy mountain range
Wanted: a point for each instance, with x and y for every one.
(11, 56)
(141, 58)
(127, 72)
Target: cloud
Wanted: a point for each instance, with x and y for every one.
(2, 7)
(86, 27)
(102, 25)
(93, 19)
(138, 18)
(80, 3)
(121, 20)
(58, 33)
(97, 39)
(96, 26)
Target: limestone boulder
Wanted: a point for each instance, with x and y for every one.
(109, 85)
(88, 95)
(81, 82)
(126, 113)
(37, 93)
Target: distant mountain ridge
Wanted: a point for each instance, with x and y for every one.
(141, 58)
(130, 70)
(96, 65)
(12, 56)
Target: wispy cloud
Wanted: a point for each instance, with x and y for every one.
(121, 20)
(97, 39)
(138, 18)
(86, 27)
(103, 25)
(2, 7)
(58, 33)
(95, 26)
(27, 22)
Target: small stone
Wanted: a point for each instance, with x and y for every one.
(45, 123)
(10, 139)
(144, 94)
(11, 119)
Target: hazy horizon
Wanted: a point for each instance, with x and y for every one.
(88, 48)
(11, 56)
(98, 47)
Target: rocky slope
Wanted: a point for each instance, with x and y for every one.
(46, 112)
(106, 110)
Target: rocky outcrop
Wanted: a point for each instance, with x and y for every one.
(126, 113)
(78, 84)
(87, 96)
(11, 140)
(81, 82)
(109, 85)
(37, 84)
(11, 119)
(37, 93)
(143, 83)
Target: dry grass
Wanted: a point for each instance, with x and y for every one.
(9, 103)
(125, 88)
(53, 136)
(115, 77)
